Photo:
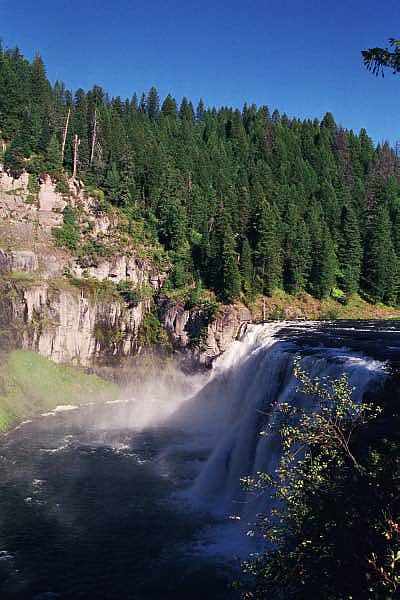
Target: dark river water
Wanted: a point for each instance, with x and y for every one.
(94, 512)
(88, 514)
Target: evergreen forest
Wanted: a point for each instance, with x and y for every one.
(244, 201)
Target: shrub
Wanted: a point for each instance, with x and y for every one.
(131, 295)
(68, 235)
(151, 333)
(203, 315)
(33, 184)
(62, 186)
(333, 529)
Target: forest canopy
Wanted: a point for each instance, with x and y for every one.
(243, 201)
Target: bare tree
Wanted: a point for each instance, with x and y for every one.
(77, 141)
(65, 133)
(94, 136)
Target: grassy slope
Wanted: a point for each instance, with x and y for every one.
(30, 383)
(283, 306)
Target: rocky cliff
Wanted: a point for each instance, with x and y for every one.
(186, 330)
(69, 308)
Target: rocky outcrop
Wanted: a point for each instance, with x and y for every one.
(204, 341)
(49, 199)
(40, 309)
(27, 220)
(24, 261)
(223, 331)
(69, 326)
(72, 324)
(121, 267)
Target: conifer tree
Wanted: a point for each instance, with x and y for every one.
(297, 249)
(153, 103)
(267, 251)
(381, 263)
(324, 262)
(135, 101)
(186, 111)
(246, 267)
(143, 103)
(230, 288)
(200, 110)
(53, 157)
(350, 252)
(169, 108)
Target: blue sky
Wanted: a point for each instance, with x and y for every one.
(301, 56)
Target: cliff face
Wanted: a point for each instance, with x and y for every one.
(66, 326)
(85, 322)
(183, 327)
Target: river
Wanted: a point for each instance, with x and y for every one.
(131, 499)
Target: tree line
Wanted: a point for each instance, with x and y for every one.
(243, 201)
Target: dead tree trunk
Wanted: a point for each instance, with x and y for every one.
(65, 133)
(77, 141)
(94, 136)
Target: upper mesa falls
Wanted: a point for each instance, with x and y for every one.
(130, 499)
(128, 226)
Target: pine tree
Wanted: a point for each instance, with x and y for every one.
(153, 103)
(381, 262)
(53, 159)
(143, 103)
(297, 252)
(246, 267)
(200, 110)
(15, 155)
(14, 93)
(186, 111)
(327, 268)
(324, 262)
(112, 184)
(169, 108)
(230, 289)
(350, 252)
(267, 250)
(135, 101)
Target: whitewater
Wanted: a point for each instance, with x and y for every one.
(109, 494)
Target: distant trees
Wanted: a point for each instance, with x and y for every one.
(244, 201)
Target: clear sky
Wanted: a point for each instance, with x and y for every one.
(301, 56)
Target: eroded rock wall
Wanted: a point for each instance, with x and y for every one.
(69, 326)
(182, 327)
(68, 323)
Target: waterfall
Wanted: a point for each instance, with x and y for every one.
(234, 406)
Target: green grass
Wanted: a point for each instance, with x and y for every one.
(23, 276)
(30, 384)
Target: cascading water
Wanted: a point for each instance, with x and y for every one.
(108, 494)
(234, 406)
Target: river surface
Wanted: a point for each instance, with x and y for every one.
(99, 503)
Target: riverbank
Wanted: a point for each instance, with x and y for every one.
(284, 306)
(30, 384)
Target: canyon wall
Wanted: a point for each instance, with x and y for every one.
(71, 313)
